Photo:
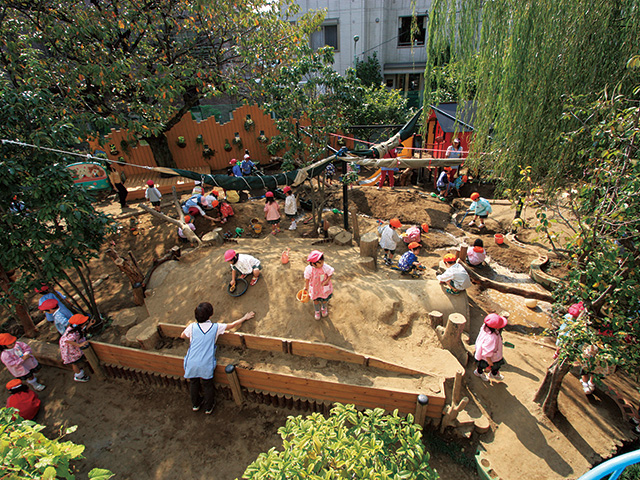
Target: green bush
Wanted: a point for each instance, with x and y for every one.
(348, 444)
(25, 453)
(632, 472)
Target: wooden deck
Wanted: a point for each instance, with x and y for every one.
(136, 184)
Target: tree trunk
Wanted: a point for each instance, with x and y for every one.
(132, 271)
(547, 394)
(160, 147)
(22, 313)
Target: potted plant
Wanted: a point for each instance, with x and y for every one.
(208, 152)
(262, 138)
(237, 141)
(181, 142)
(249, 124)
(341, 142)
(124, 145)
(112, 149)
(227, 145)
(199, 140)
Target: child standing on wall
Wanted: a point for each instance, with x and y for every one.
(389, 239)
(489, 348)
(317, 281)
(18, 359)
(71, 344)
(290, 207)
(272, 213)
(153, 195)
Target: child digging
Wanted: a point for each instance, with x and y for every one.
(408, 263)
(18, 359)
(489, 348)
(317, 281)
(455, 278)
(245, 264)
(71, 344)
(389, 239)
(272, 213)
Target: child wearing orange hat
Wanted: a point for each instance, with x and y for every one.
(153, 195)
(18, 359)
(489, 348)
(481, 209)
(22, 399)
(408, 262)
(181, 236)
(71, 344)
(317, 281)
(455, 277)
(389, 239)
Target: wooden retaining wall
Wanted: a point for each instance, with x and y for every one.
(266, 387)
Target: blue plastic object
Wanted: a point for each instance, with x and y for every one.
(613, 467)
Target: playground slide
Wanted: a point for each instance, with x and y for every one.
(372, 180)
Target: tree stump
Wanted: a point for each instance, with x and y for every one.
(334, 231)
(369, 245)
(437, 318)
(462, 253)
(451, 413)
(451, 337)
(368, 263)
(344, 238)
(356, 225)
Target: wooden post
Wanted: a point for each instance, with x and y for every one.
(462, 253)
(437, 318)
(93, 360)
(234, 383)
(369, 245)
(356, 226)
(457, 387)
(421, 410)
(451, 413)
(451, 337)
(132, 271)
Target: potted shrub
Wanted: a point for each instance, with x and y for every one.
(227, 145)
(124, 145)
(237, 141)
(262, 138)
(181, 142)
(199, 140)
(112, 149)
(249, 124)
(208, 152)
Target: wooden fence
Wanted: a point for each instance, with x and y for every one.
(267, 387)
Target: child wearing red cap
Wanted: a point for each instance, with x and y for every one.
(389, 239)
(153, 195)
(71, 344)
(477, 254)
(455, 277)
(290, 207)
(56, 295)
(272, 212)
(481, 209)
(408, 262)
(60, 317)
(489, 348)
(317, 281)
(18, 359)
(22, 399)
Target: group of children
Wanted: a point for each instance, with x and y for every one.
(272, 209)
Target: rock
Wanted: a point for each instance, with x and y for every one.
(123, 320)
(145, 334)
(369, 245)
(344, 238)
(212, 238)
(368, 263)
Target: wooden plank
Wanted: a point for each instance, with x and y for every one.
(268, 344)
(231, 339)
(323, 350)
(134, 358)
(170, 330)
(392, 367)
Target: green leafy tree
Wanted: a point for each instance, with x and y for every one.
(604, 249)
(26, 453)
(369, 71)
(529, 59)
(348, 444)
(142, 64)
(50, 227)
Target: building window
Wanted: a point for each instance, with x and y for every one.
(404, 31)
(327, 35)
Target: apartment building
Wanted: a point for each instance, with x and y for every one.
(357, 28)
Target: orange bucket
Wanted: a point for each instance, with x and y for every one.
(499, 238)
(302, 296)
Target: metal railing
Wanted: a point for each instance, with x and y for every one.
(612, 469)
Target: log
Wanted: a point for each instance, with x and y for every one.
(462, 253)
(343, 238)
(451, 413)
(436, 318)
(501, 287)
(451, 337)
(132, 271)
(234, 382)
(192, 237)
(368, 264)
(356, 226)
(369, 245)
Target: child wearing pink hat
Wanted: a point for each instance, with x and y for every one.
(272, 212)
(244, 265)
(489, 348)
(290, 207)
(317, 281)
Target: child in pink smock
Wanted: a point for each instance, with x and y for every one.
(71, 343)
(317, 281)
(489, 348)
(272, 212)
(18, 359)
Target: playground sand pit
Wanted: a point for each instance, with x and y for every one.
(149, 432)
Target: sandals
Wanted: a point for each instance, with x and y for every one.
(254, 280)
(451, 291)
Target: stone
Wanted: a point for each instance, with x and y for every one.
(482, 424)
(212, 238)
(144, 334)
(124, 319)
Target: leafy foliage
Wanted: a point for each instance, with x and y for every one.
(26, 453)
(141, 65)
(529, 60)
(369, 71)
(348, 444)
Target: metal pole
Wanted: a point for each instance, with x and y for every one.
(345, 198)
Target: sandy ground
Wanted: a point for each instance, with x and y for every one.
(144, 432)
